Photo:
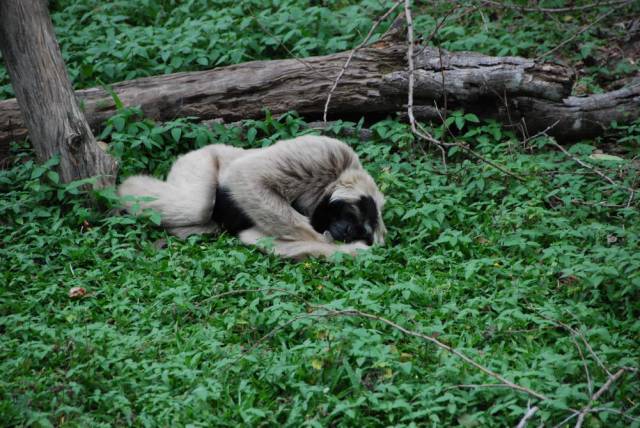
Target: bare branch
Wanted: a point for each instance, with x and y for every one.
(597, 395)
(576, 333)
(283, 46)
(472, 152)
(551, 9)
(353, 51)
(530, 412)
(589, 167)
(439, 344)
(583, 29)
(252, 290)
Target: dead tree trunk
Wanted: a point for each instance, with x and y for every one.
(47, 102)
(516, 91)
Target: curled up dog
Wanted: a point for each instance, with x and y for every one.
(309, 194)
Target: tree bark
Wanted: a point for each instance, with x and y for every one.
(516, 91)
(47, 104)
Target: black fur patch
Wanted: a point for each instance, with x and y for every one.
(228, 214)
(346, 221)
(369, 210)
(322, 215)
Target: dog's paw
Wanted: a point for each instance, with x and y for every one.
(353, 248)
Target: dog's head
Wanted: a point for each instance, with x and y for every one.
(351, 210)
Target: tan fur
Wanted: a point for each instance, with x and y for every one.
(264, 183)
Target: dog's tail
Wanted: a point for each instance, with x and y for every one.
(185, 199)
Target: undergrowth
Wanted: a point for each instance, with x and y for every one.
(474, 257)
(208, 332)
(111, 41)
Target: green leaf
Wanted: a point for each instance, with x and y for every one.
(155, 218)
(251, 135)
(118, 123)
(176, 133)
(53, 176)
(37, 172)
(470, 117)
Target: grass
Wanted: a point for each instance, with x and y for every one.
(110, 41)
(475, 257)
(210, 333)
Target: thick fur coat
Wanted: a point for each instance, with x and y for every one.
(299, 192)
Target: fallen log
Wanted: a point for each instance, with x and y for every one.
(516, 91)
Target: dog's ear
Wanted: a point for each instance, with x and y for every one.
(321, 216)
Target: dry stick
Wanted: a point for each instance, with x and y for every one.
(582, 30)
(252, 290)
(584, 364)
(541, 133)
(597, 395)
(422, 133)
(330, 313)
(612, 379)
(594, 169)
(477, 385)
(552, 10)
(412, 119)
(577, 334)
(624, 414)
(281, 43)
(425, 42)
(441, 345)
(523, 422)
(584, 164)
(469, 150)
(579, 348)
(273, 333)
(353, 51)
(565, 420)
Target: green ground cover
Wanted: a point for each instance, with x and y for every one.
(210, 333)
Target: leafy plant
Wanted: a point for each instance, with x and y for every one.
(207, 332)
(181, 334)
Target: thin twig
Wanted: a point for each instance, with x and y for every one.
(353, 51)
(584, 364)
(530, 412)
(281, 43)
(425, 42)
(422, 133)
(441, 345)
(622, 413)
(477, 386)
(611, 181)
(565, 420)
(469, 150)
(552, 10)
(543, 133)
(252, 290)
(412, 119)
(589, 167)
(597, 395)
(582, 30)
(444, 92)
(576, 333)
(273, 333)
(323, 312)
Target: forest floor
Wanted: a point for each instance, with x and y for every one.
(535, 280)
